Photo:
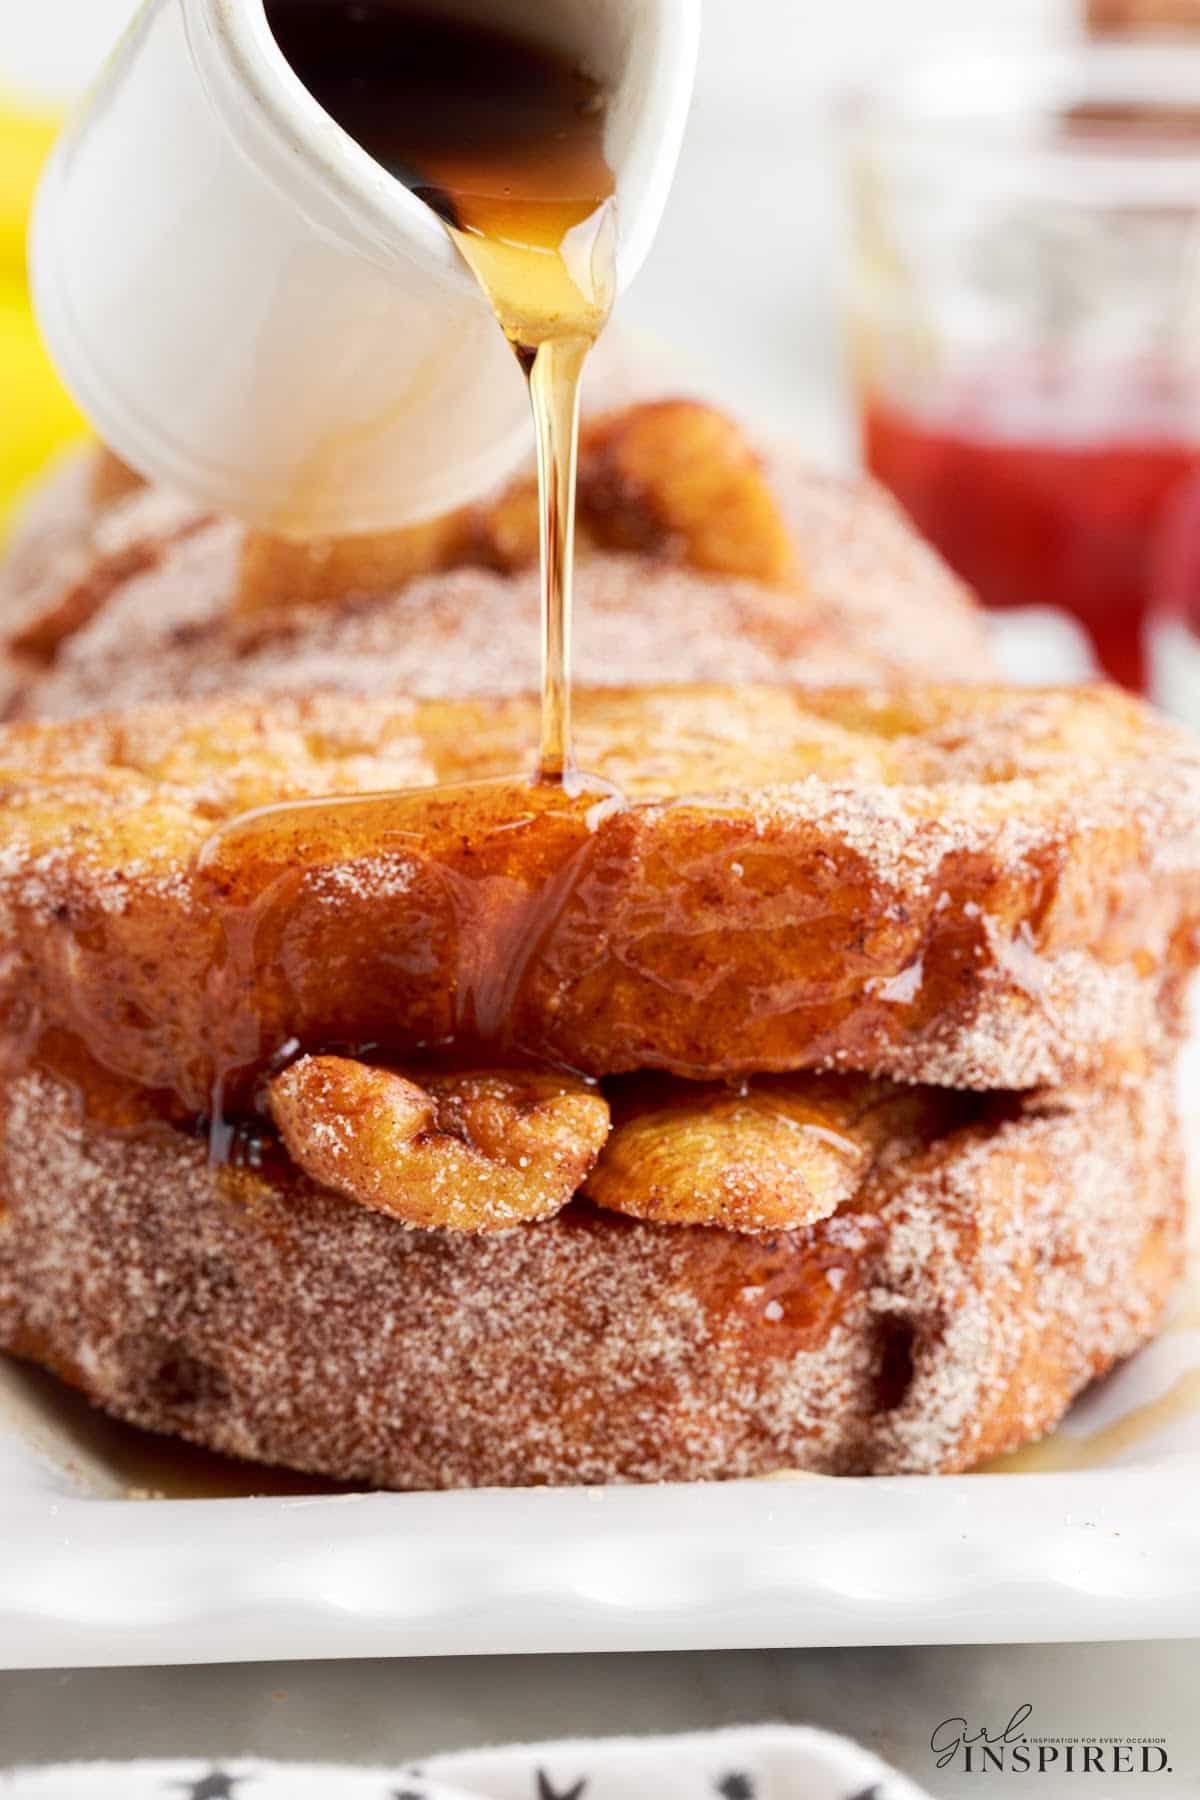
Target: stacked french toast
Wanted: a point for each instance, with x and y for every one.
(790, 1090)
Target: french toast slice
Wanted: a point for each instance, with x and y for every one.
(976, 888)
(701, 560)
(977, 1279)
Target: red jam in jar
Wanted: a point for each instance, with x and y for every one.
(1057, 518)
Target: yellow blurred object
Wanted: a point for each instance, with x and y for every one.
(36, 414)
(25, 140)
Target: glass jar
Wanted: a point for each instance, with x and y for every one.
(1024, 318)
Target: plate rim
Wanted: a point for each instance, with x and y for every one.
(802, 1562)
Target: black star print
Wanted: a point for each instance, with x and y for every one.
(546, 1792)
(216, 1785)
(736, 1787)
(871, 1793)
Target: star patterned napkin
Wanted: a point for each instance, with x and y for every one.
(770, 1762)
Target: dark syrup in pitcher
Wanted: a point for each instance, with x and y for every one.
(504, 140)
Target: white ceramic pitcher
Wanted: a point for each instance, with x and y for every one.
(251, 310)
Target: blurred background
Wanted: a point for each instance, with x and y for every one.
(747, 239)
(995, 298)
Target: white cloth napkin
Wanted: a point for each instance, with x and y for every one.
(767, 1762)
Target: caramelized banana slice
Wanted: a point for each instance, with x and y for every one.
(278, 574)
(680, 480)
(675, 478)
(508, 528)
(477, 1152)
(772, 1155)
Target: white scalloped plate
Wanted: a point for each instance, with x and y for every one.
(1109, 1549)
(1112, 1554)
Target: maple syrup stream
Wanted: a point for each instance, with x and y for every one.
(504, 140)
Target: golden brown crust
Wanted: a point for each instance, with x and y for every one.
(951, 1312)
(971, 887)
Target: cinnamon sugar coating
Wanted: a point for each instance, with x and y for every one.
(977, 888)
(949, 1311)
(707, 562)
